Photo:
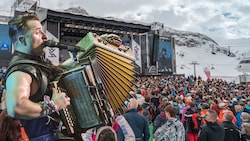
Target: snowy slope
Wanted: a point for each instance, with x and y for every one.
(224, 66)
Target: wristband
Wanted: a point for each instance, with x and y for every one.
(45, 109)
(48, 106)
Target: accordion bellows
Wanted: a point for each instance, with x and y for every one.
(113, 66)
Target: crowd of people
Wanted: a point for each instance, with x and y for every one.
(209, 110)
(178, 108)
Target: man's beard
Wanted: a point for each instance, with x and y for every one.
(39, 50)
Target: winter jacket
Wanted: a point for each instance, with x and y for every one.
(238, 119)
(159, 120)
(191, 121)
(223, 111)
(183, 113)
(232, 132)
(212, 131)
(172, 130)
(139, 125)
(245, 137)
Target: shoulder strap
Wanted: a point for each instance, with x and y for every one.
(147, 107)
(232, 128)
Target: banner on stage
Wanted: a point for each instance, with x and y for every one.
(136, 50)
(52, 54)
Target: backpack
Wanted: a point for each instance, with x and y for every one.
(149, 113)
(245, 137)
(232, 132)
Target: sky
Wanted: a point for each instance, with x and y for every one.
(222, 20)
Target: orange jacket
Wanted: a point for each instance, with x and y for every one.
(223, 111)
(203, 115)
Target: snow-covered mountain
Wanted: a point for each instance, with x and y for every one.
(220, 59)
(220, 65)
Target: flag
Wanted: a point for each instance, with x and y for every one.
(207, 72)
(136, 51)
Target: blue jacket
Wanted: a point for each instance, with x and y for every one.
(139, 125)
(238, 119)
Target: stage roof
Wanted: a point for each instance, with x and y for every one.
(97, 23)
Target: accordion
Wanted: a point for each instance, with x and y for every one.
(88, 108)
(100, 80)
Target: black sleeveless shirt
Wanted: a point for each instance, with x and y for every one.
(41, 72)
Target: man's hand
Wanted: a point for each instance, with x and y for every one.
(60, 99)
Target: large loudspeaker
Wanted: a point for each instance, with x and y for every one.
(154, 55)
(113, 65)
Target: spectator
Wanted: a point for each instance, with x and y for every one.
(136, 121)
(215, 106)
(232, 132)
(106, 133)
(181, 106)
(246, 135)
(245, 116)
(173, 129)
(139, 97)
(11, 128)
(204, 109)
(238, 111)
(149, 109)
(225, 109)
(155, 99)
(140, 109)
(227, 102)
(192, 125)
(187, 100)
(212, 131)
(161, 118)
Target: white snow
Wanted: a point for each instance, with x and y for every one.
(219, 64)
